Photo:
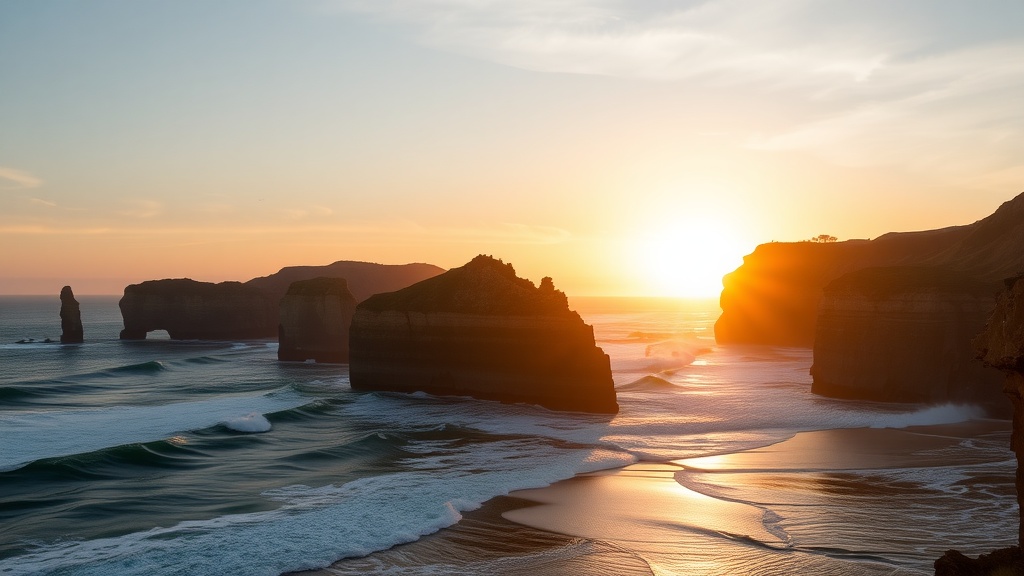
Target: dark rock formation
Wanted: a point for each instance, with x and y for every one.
(364, 278)
(187, 309)
(481, 331)
(773, 297)
(255, 313)
(1005, 562)
(315, 318)
(904, 335)
(70, 318)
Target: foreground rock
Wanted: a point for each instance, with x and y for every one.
(191, 310)
(315, 318)
(481, 331)
(148, 306)
(70, 318)
(904, 335)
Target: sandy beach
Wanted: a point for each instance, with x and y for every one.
(823, 502)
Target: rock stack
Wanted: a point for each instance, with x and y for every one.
(481, 331)
(70, 318)
(315, 317)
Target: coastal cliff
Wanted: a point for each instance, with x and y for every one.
(1001, 346)
(70, 318)
(153, 304)
(773, 298)
(188, 309)
(314, 321)
(481, 331)
(903, 334)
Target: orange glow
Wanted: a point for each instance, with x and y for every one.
(688, 258)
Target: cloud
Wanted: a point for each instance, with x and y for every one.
(13, 179)
(381, 233)
(142, 208)
(933, 86)
(42, 202)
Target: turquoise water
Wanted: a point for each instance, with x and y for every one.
(166, 457)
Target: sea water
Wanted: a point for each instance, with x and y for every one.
(194, 457)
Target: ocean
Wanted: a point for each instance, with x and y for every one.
(193, 457)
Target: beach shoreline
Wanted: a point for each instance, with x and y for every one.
(696, 516)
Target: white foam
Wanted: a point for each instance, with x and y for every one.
(930, 416)
(252, 422)
(317, 525)
(30, 436)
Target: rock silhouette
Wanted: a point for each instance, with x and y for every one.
(70, 318)
(314, 321)
(481, 331)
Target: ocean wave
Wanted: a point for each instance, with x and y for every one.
(37, 435)
(315, 526)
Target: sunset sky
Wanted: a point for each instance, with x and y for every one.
(621, 147)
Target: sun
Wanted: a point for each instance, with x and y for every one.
(687, 258)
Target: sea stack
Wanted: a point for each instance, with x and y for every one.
(903, 334)
(191, 310)
(481, 331)
(1001, 346)
(70, 318)
(315, 317)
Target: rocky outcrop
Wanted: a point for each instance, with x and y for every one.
(1001, 346)
(314, 321)
(481, 331)
(904, 335)
(773, 298)
(364, 278)
(255, 313)
(191, 310)
(70, 318)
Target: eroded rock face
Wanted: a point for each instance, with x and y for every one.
(188, 310)
(315, 317)
(255, 314)
(70, 318)
(904, 335)
(773, 298)
(481, 331)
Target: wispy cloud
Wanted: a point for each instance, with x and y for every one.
(14, 179)
(380, 233)
(41, 202)
(927, 85)
(140, 208)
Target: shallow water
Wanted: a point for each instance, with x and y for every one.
(163, 457)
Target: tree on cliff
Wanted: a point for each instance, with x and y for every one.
(824, 238)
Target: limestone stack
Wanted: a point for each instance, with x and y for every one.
(903, 334)
(315, 317)
(481, 331)
(70, 318)
(191, 310)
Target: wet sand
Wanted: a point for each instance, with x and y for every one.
(824, 502)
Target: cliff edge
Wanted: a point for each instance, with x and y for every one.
(481, 331)
(774, 296)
